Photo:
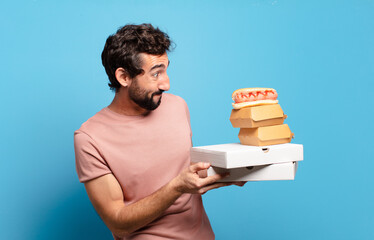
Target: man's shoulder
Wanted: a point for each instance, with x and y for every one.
(93, 123)
(169, 97)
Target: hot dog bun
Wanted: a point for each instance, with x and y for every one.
(255, 103)
(247, 97)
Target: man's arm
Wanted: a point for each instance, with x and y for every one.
(106, 196)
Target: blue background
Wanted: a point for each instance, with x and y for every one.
(318, 55)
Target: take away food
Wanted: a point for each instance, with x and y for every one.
(264, 136)
(257, 116)
(247, 97)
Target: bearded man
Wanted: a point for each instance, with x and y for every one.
(133, 156)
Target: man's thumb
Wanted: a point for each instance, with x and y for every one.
(195, 167)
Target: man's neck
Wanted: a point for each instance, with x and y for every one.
(123, 104)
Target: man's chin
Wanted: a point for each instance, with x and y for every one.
(152, 104)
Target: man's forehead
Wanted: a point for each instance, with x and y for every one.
(150, 60)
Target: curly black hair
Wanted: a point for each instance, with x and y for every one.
(122, 49)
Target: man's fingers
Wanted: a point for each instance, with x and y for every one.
(213, 186)
(240, 184)
(195, 167)
(214, 178)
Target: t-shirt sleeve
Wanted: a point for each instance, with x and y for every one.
(88, 161)
(187, 115)
(188, 118)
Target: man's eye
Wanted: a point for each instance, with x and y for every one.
(155, 74)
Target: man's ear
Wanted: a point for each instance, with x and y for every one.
(122, 77)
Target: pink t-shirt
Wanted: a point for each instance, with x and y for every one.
(144, 153)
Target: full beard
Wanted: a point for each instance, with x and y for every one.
(141, 97)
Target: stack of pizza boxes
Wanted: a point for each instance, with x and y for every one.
(264, 152)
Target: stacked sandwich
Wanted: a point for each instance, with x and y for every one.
(259, 116)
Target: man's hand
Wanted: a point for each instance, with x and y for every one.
(106, 196)
(189, 181)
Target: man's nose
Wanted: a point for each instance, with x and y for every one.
(164, 83)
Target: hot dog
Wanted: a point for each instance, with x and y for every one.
(248, 97)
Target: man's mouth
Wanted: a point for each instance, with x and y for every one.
(158, 93)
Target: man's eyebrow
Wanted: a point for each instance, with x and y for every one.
(159, 66)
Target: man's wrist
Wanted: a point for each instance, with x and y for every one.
(175, 187)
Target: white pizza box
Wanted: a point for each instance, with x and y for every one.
(236, 155)
(279, 171)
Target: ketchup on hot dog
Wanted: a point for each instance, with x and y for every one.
(247, 97)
